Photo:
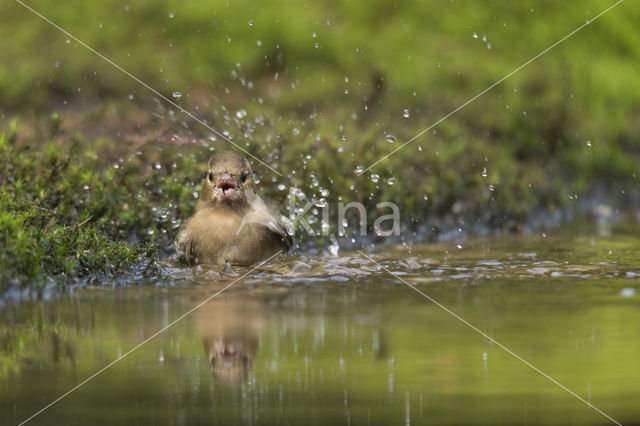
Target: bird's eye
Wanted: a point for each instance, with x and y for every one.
(210, 177)
(243, 178)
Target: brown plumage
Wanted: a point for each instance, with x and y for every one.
(231, 222)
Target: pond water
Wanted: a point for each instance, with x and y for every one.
(338, 340)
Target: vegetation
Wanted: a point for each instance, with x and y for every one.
(318, 91)
(61, 217)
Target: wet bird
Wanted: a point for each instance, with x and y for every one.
(231, 223)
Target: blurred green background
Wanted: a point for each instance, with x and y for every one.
(317, 90)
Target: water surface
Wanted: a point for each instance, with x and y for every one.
(337, 340)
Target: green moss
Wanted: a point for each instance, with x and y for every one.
(58, 216)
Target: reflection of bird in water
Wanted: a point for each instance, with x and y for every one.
(231, 222)
(231, 357)
(230, 331)
(233, 328)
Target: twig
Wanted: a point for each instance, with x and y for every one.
(78, 225)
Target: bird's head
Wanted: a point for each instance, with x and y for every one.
(228, 179)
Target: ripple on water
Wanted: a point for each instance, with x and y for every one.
(481, 260)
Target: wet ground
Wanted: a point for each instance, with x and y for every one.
(338, 340)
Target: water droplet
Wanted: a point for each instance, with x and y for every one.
(588, 143)
(627, 292)
(375, 178)
(405, 113)
(358, 170)
(170, 15)
(177, 94)
(314, 35)
(475, 35)
(391, 181)
(390, 138)
(251, 23)
(259, 42)
(241, 113)
(484, 172)
(459, 247)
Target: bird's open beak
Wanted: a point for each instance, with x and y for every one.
(226, 185)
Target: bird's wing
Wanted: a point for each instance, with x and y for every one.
(280, 230)
(280, 224)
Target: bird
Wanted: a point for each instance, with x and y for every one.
(231, 223)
